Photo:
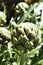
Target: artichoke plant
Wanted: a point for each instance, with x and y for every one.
(21, 40)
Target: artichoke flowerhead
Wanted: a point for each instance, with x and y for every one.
(4, 35)
(21, 8)
(26, 34)
(2, 18)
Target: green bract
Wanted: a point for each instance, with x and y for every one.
(2, 18)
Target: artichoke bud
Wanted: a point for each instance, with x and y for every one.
(27, 34)
(21, 7)
(5, 34)
(2, 18)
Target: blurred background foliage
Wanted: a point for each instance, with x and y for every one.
(16, 48)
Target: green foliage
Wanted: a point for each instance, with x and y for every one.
(21, 42)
